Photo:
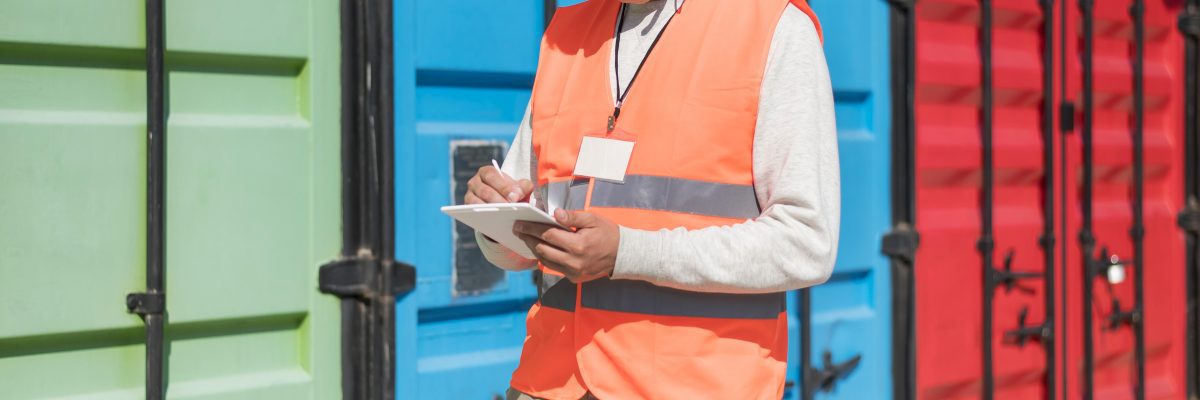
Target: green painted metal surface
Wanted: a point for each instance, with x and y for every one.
(253, 198)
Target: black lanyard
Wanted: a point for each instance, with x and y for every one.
(612, 119)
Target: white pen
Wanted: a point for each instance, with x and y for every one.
(497, 166)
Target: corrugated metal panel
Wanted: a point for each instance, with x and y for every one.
(949, 271)
(1113, 171)
(851, 313)
(252, 198)
(463, 75)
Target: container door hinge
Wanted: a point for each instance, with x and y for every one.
(1005, 276)
(359, 277)
(146, 303)
(901, 243)
(1119, 316)
(1023, 333)
(826, 378)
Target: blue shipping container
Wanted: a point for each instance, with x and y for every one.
(463, 73)
(852, 312)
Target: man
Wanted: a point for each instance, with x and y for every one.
(690, 149)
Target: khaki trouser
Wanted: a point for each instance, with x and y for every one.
(514, 394)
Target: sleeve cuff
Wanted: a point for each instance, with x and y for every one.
(639, 255)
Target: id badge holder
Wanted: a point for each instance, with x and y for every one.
(605, 155)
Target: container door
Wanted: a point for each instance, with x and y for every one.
(464, 70)
(252, 201)
(1105, 306)
(980, 203)
(849, 346)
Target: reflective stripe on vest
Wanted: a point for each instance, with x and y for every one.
(659, 193)
(567, 195)
(557, 293)
(646, 298)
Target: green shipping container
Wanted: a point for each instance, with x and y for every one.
(252, 193)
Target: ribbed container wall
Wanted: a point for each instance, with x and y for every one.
(1163, 267)
(464, 70)
(252, 198)
(950, 201)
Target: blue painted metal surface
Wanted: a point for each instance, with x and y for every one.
(852, 312)
(463, 72)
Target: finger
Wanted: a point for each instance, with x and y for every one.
(484, 192)
(531, 242)
(471, 198)
(487, 195)
(558, 237)
(575, 219)
(501, 184)
(526, 187)
(544, 251)
(549, 254)
(566, 272)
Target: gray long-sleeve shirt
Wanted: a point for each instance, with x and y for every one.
(793, 243)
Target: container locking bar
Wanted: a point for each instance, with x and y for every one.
(901, 243)
(1137, 232)
(151, 304)
(986, 244)
(1087, 240)
(1189, 217)
(1045, 331)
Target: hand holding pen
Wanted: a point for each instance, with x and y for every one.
(491, 185)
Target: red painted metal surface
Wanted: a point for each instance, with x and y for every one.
(949, 269)
(1164, 269)
(949, 274)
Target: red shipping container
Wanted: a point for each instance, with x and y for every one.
(951, 197)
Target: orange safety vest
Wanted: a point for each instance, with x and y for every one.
(693, 110)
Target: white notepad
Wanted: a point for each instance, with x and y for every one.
(496, 221)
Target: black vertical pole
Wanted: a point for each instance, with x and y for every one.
(1086, 238)
(151, 304)
(900, 244)
(354, 310)
(1066, 126)
(1048, 238)
(548, 8)
(807, 391)
(371, 135)
(986, 240)
(1189, 217)
(366, 277)
(385, 74)
(1137, 232)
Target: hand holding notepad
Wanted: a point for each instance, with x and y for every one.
(493, 206)
(496, 221)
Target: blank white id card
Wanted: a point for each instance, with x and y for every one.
(605, 159)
